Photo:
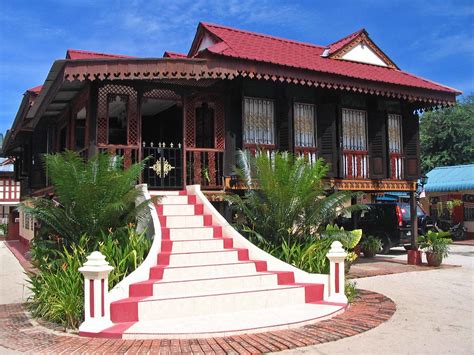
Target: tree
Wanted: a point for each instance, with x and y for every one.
(447, 136)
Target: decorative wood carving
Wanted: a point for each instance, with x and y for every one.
(133, 121)
(373, 185)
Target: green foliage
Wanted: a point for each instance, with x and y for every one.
(370, 245)
(57, 289)
(4, 229)
(446, 136)
(90, 196)
(351, 291)
(285, 210)
(435, 242)
(285, 198)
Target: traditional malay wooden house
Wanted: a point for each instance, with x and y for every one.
(346, 102)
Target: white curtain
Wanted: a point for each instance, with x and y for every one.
(354, 129)
(304, 125)
(258, 121)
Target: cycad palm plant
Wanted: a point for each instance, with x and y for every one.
(285, 198)
(90, 196)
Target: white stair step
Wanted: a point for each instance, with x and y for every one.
(184, 221)
(178, 210)
(174, 200)
(208, 271)
(223, 284)
(224, 256)
(177, 234)
(162, 307)
(164, 193)
(236, 322)
(186, 246)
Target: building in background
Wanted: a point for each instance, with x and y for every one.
(451, 183)
(9, 194)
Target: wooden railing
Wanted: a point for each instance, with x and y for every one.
(355, 164)
(130, 154)
(205, 166)
(396, 166)
(309, 153)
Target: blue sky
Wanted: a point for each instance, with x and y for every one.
(430, 38)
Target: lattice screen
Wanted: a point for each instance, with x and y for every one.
(132, 116)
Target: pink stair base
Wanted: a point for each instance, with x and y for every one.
(173, 267)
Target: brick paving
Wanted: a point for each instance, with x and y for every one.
(19, 332)
(369, 267)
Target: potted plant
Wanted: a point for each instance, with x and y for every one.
(436, 246)
(370, 246)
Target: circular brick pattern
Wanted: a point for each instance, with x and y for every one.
(19, 332)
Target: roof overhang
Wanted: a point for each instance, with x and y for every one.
(68, 77)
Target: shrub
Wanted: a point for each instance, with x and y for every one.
(90, 197)
(285, 197)
(435, 242)
(350, 290)
(57, 288)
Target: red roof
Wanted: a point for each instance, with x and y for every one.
(169, 54)
(80, 54)
(241, 44)
(36, 89)
(334, 47)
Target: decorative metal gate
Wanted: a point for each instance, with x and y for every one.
(164, 167)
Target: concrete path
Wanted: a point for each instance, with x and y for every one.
(12, 278)
(434, 312)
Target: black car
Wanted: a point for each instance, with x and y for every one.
(388, 221)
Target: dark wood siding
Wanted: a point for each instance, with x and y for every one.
(377, 139)
(411, 140)
(327, 135)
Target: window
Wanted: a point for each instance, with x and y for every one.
(354, 129)
(394, 133)
(469, 211)
(80, 129)
(304, 125)
(258, 121)
(117, 117)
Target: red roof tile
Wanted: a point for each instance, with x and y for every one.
(269, 49)
(80, 54)
(36, 89)
(169, 54)
(334, 47)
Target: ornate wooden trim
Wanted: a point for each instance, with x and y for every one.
(363, 38)
(373, 185)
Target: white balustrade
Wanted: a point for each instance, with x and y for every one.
(336, 256)
(96, 296)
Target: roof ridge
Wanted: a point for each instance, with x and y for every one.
(348, 36)
(97, 53)
(281, 39)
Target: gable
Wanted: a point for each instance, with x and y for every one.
(358, 47)
(364, 54)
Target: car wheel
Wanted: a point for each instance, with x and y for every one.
(386, 245)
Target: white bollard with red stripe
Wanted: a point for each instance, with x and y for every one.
(336, 256)
(96, 301)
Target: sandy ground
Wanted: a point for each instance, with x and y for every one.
(12, 279)
(434, 312)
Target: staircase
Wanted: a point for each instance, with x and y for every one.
(202, 284)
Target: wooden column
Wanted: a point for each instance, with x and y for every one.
(413, 220)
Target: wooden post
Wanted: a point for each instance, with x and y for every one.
(413, 220)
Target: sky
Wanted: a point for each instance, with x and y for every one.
(430, 38)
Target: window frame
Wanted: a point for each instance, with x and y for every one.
(247, 144)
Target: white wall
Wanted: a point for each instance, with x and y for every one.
(362, 53)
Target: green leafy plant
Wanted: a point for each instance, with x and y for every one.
(370, 246)
(4, 229)
(90, 197)
(435, 242)
(348, 239)
(285, 198)
(57, 289)
(351, 291)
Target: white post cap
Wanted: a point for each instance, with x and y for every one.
(96, 263)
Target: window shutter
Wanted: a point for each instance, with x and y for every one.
(411, 144)
(283, 125)
(377, 144)
(327, 137)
